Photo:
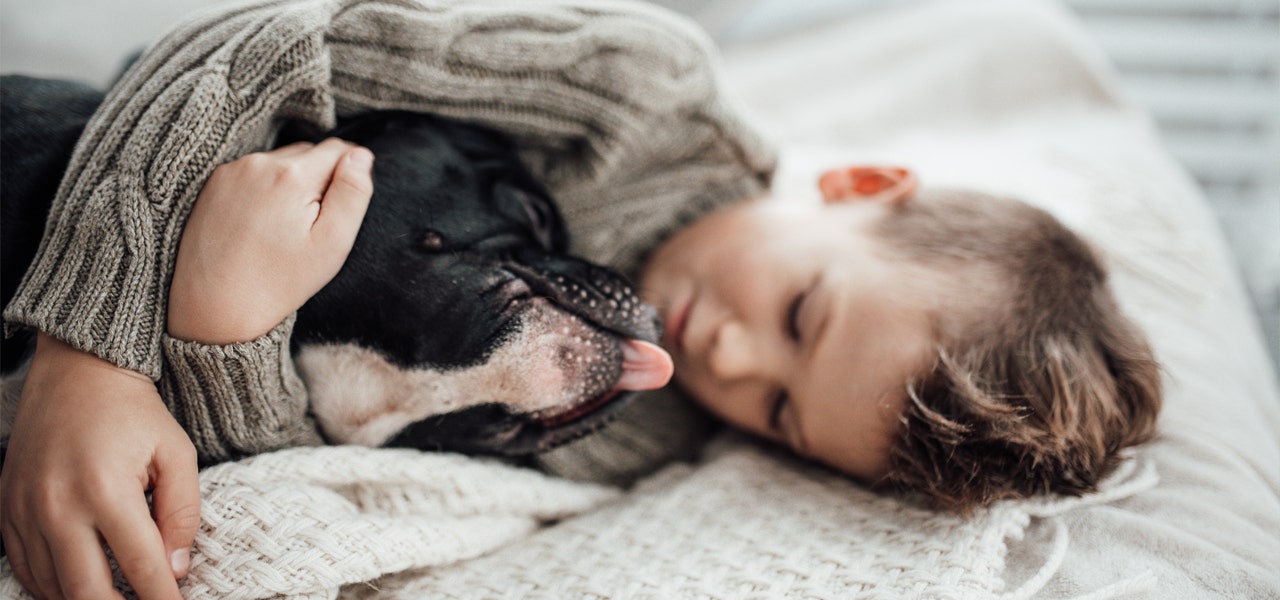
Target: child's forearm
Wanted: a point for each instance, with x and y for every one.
(89, 440)
(267, 232)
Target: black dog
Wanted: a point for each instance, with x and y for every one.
(458, 321)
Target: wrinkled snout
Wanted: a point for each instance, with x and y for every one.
(570, 358)
(603, 335)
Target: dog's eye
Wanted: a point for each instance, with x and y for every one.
(432, 240)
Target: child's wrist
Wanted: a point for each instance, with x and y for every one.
(56, 358)
(220, 326)
(218, 333)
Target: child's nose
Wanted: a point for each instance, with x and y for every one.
(734, 354)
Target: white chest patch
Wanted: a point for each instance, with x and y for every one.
(552, 363)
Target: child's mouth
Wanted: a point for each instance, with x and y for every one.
(676, 323)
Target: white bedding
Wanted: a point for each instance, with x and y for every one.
(1005, 97)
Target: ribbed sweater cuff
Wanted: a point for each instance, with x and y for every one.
(239, 399)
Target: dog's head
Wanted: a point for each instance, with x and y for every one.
(458, 321)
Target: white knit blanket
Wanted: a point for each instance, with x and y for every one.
(353, 522)
(303, 522)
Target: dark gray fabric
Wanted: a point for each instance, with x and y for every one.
(40, 121)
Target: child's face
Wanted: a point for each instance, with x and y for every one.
(783, 321)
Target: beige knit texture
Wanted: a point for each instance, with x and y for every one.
(613, 104)
(239, 399)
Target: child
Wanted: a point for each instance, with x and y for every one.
(947, 343)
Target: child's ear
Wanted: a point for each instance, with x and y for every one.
(880, 184)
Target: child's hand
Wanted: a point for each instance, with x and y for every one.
(89, 439)
(267, 232)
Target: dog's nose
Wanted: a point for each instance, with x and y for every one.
(645, 366)
(589, 291)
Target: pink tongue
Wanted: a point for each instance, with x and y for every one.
(645, 366)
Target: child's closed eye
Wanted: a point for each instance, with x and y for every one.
(792, 320)
(797, 311)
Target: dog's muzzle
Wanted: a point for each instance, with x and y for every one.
(579, 345)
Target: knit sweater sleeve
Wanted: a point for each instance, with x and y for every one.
(614, 105)
(239, 399)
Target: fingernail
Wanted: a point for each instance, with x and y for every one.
(361, 157)
(180, 560)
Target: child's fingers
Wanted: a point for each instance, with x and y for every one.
(347, 198)
(40, 564)
(82, 566)
(135, 541)
(321, 160)
(293, 149)
(16, 552)
(175, 504)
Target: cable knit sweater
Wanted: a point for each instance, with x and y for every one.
(614, 105)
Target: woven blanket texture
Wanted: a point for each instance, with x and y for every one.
(359, 523)
(734, 530)
(300, 523)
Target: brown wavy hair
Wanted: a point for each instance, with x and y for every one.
(1038, 380)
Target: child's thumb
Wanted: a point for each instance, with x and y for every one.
(345, 202)
(175, 504)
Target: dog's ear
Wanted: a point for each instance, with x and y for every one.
(537, 211)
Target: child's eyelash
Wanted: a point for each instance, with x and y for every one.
(791, 320)
(793, 316)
